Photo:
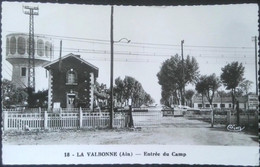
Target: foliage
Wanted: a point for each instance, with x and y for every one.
(188, 95)
(208, 85)
(171, 79)
(201, 87)
(245, 86)
(12, 96)
(232, 76)
(222, 93)
(39, 99)
(128, 88)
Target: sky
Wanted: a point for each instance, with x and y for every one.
(214, 35)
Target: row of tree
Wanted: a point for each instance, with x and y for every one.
(232, 78)
(130, 88)
(125, 89)
(173, 82)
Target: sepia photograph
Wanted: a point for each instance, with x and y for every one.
(129, 84)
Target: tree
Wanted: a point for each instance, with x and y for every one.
(208, 86)
(212, 83)
(12, 95)
(201, 87)
(189, 95)
(130, 88)
(170, 78)
(39, 99)
(119, 89)
(245, 86)
(231, 77)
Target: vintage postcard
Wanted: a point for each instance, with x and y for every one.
(110, 84)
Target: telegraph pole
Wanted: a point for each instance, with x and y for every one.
(183, 77)
(31, 11)
(111, 69)
(256, 78)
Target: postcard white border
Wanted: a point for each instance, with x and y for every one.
(55, 154)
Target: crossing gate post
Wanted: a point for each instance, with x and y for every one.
(45, 120)
(80, 117)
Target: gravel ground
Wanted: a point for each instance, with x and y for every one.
(170, 131)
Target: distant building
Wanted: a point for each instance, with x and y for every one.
(249, 101)
(218, 102)
(71, 82)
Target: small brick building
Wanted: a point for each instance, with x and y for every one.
(71, 82)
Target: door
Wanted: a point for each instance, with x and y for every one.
(71, 100)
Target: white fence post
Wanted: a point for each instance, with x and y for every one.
(45, 120)
(228, 117)
(5, 119)
(40, 110)
(80, 117)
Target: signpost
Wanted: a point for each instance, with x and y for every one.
(253, 102)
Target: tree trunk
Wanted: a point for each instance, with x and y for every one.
(202, 101)
(131, 122)
(233, 98)
(182, 101)
(237, 108)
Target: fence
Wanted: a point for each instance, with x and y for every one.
(245, 118)
(224, 117)
(58, 110)
(72, 120)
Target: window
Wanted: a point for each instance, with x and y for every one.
(71, 77)
(47, 49)
(222, 105)
(21, 45)
(13, 45)
(199, 105)
(215, 105)
(230, 105)
(40, 47)
(207, 105)
(23, 71)
(50, 50)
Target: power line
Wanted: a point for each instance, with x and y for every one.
(154, 54)
(107, 42)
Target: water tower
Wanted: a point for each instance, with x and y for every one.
(17, 53)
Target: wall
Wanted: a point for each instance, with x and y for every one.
(82, 89)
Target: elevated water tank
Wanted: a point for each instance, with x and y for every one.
(17, 53)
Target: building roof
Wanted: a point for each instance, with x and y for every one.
(77, 57)
(243, 99)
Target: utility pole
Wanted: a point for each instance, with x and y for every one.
(256, 78)
(111, 70)
(183, 77)
(31, 11)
